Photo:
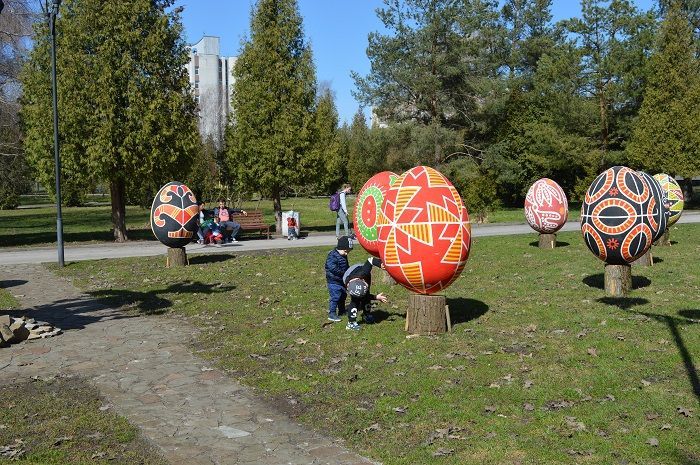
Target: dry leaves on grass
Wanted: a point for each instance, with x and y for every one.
(686, 412)
(653, 442)
(443, 452)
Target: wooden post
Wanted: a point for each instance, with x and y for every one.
(645, 260)
(426, 314)
(548, 241)
(618, 280)
(176, 257)
(664, 240)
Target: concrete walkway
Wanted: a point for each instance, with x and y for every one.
(145, 370)
(12, 256)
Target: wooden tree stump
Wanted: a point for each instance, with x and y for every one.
(426, 314)
(618, 280)
(176, 257)
(664, 240)
(548, 241)
(387, 279)
(644, 260)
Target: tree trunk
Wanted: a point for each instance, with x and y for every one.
(664, 240)
(118, 193)
(618, 280)
(426, 314)
(277, 206)
(548, 241)
(644, 260)
(688, 184)
(177, 256)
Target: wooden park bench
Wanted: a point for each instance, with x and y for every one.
(254, 221)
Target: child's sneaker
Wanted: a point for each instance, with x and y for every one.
(353, 326)
(333, 317)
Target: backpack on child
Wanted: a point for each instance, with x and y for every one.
(334, 202)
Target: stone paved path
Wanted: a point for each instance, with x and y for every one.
(145, 370)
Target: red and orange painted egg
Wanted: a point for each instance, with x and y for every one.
(174, 215)
(618, 216)
(423, 231)
(546, 207)
(367, 208)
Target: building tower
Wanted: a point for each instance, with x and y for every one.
(211, 77)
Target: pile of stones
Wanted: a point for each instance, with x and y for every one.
(14, 330)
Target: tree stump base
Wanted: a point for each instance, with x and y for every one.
(665, 240)
(644, 260)
(426, 314)
(618, 280)
(387, 279)
(548, 241)
(176, 257)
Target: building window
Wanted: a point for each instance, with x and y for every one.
(196, 85)
(196, 70)
(196, 99)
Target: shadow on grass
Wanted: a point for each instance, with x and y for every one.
(151, 302)
(463, 310)
(598, 281)
(49, 237)
(559, 244)
(4, 284)
(657, 260)
(673, 323)
(380, 315)
(623, 303)
(202, 259)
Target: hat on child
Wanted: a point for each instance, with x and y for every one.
(343, 243)
(357, 288)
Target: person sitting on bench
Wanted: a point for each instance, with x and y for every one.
(224, 214)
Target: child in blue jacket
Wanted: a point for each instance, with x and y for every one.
(336, 266)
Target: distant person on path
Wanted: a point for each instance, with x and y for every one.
(358, 280)
(216, 232)
(336, 266)
(342, 212)
(224, 214)
(201, 227)
(292, 228)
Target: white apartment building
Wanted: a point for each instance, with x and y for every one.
(211, 77)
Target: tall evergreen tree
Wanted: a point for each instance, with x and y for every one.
(270, 138)
(328, 147)
(359, 149)
(614, 39)
(666, 137)
(127, 116)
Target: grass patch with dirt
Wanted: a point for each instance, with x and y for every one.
(63, 420)
(541, 367)
(7, 300)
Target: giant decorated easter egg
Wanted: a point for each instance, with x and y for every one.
(367, 207)
(546, 208)
(424, 231)
(674, 196)
(660, 214)
(174, 215)
(617, 216)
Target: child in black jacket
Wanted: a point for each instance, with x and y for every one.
(358, 279)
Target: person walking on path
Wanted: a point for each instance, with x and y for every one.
(336, 266)
(342, 213)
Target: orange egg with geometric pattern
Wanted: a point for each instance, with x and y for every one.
(423, 231)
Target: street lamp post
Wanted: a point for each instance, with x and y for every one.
(52, 12)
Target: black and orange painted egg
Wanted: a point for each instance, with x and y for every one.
(174, 215)
(619, 216)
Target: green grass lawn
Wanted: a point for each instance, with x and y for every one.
(62, 420)
(7, 300)
(541, 367)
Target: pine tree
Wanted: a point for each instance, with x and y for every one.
(126, 114)
(666, 137)
(328, 152)
(270, 138)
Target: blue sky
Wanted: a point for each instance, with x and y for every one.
(337, 30)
